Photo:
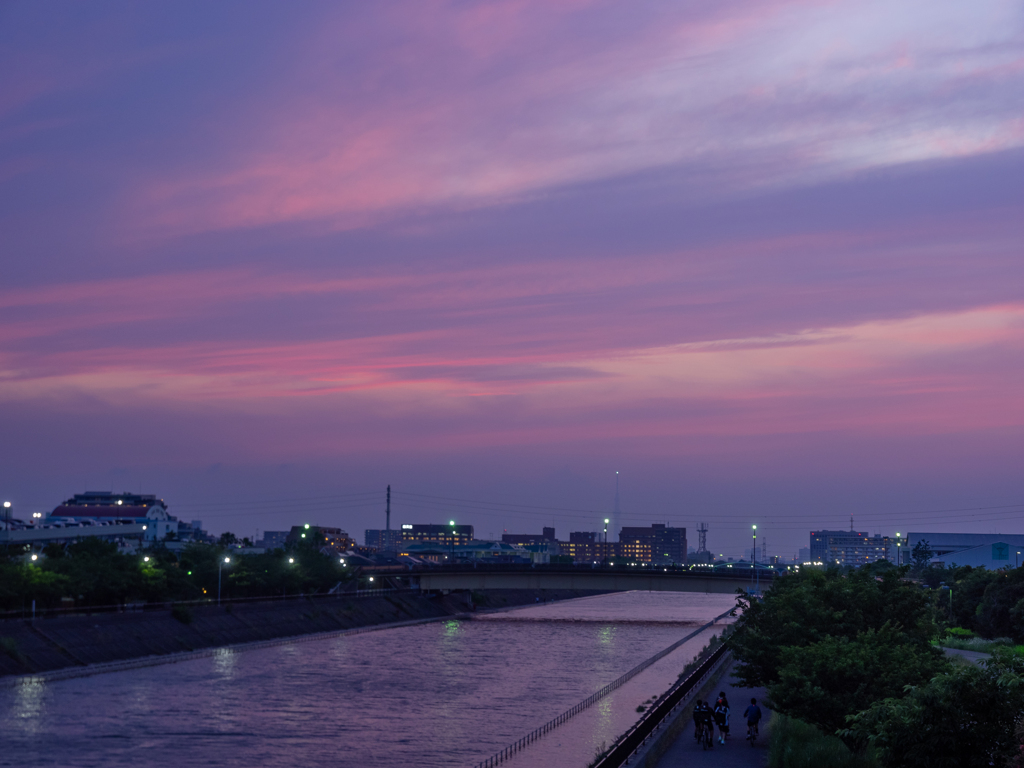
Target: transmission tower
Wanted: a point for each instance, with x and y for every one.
(702, 537)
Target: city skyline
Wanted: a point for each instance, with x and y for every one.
(763, 259)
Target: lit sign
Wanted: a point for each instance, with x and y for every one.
(406, 527)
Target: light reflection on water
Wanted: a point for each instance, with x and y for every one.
(446, 694)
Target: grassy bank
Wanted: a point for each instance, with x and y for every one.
(796, 744)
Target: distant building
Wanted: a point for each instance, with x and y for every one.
(591, 551)
(804, 554)
(382, 539)
(819, 544)
(992, 550)
(332, 538)
(448, 535)
(522, 539)
(848, 547)
(656, 544)
(582, 537)
(273, 539)
(133, 508)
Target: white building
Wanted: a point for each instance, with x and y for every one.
(991, 550)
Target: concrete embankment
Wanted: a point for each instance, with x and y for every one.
(79, 640)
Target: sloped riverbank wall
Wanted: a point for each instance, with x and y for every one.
(78, 640)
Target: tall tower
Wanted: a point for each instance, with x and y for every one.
(387, 526)
(617, 514)
(702, 537)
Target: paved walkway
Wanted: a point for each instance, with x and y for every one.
(736, 752)
(976, 656)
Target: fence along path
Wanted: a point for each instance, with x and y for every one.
(500, 757)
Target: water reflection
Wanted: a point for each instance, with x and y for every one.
(29, 704)
(224, 662)
(439, 694)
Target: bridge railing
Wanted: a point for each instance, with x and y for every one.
(500, 757)
(738, 572)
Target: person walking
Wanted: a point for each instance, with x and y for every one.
(721, 713)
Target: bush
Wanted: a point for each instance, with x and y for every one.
(796, 744)
(963, 719)
(976, 643)
(959, 632)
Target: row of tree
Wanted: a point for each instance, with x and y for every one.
(852, 654)
(989, 603)
(92, 572)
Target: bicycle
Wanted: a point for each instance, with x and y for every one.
(705, 736)
(752, 733)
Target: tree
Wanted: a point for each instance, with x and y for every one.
(227, 539)
(921, 554)
(808, 607)
(824, 682)
(965, 718)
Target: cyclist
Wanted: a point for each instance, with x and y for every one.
(753, 715)
(721, 713)
(702, 722)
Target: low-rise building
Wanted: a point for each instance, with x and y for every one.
(993, 550)
(449, 535)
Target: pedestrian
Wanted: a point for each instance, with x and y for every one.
(721, 713)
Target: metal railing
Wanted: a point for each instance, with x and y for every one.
(636, 737)
(500, 757)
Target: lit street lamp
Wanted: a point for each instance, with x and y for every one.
(220, 570)
(753, 560)
(606, 521)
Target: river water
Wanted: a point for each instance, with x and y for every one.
(442, 694)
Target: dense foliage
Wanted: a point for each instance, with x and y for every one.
(990, 603)
(795, 744)
(965, 718)
(824, 682)
(850, 653)
(813, 606)
(92, 572)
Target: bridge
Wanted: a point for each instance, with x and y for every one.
(603, 578)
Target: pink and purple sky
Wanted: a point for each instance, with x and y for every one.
(763, 258)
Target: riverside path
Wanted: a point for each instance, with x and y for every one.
(736, 752)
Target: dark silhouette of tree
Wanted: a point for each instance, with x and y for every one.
(922, 554)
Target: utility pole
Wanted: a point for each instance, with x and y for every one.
(753, 561)
(387, 527)
(617, 515)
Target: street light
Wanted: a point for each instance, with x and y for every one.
(753, 560)
(1016, 560)
(606, 521)
(220, 570)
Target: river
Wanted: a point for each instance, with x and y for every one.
(442, 694)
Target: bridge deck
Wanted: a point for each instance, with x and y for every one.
(605, 580)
